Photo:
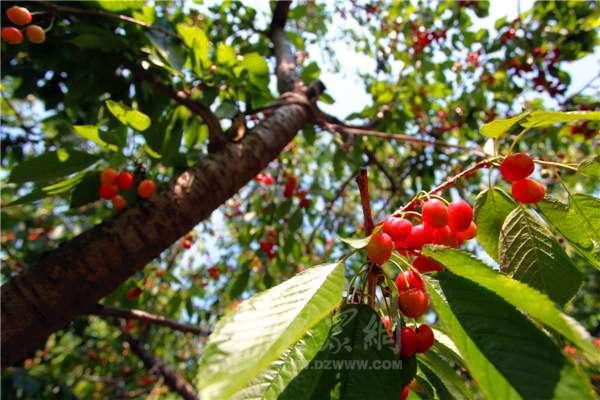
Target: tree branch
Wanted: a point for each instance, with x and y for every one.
(287, 75)
(173, 380)
(400, 138)
(56, 8)
(140, 315)
(363, 185)
(70, 280)
(215, 132)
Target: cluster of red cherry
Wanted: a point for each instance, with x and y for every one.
(517, 168)
(413, 302)
(445, 224)
(112, 181)
(289, 190)
(268, 245)
(21, 16)
(422, 37)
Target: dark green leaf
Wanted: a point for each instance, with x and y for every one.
(508, 356)
(54, 164)
(529, 253)
(492, 206)
(578, 222)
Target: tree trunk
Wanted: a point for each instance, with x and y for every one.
(70, 280)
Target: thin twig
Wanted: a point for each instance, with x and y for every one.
(173, 380)
(363, 186)
(184, 98)
(105, 311)
(100, 13)
(449, 182)
(400, 138)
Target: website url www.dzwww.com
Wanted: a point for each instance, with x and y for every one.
(356, 364)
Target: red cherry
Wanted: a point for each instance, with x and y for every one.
(125, 180)
(444, 236)
(12, 35)
(460, 215)
(425, 264)
(290, 187)
(214, 272)
(134, 293)
(146, 188)
(266, 245)
(186, 244)
(397, 228)
(268, 179)
(18, 15)
(516, 166)
(408, 342)
(405, 392)
(528, 191)
(119, 203)
(435, 213)
(419, 236)
(467, 234)
(409, 280)
(413, 302)
(109, 176)
(379, 248)
(35, 34)
(424, 338)
(107, 191)
(304, 202)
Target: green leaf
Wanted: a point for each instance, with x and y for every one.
(54, 164)
(196, 39)
(492, 206)
(240, 282)
(357, 243)
(295, 220)
(273, 381)
(225, 55)
(258, 69)
(226, 109)
(128, 116)
(446, 381)
(530, 254)
(310, 72)
(47, 191)
(578, 222)
(499, 127)
(119, 5)
(590, 167)
(245, 342)
(535, 304)
(92, 133)
(86, 191)
(548, 118)
(507, 355)
(348, 362)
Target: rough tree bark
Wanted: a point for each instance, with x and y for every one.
(70, 280)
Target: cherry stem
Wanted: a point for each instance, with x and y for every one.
(363, 186)
(555, 164)
(449, 182)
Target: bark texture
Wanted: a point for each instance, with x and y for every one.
(70, 280)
